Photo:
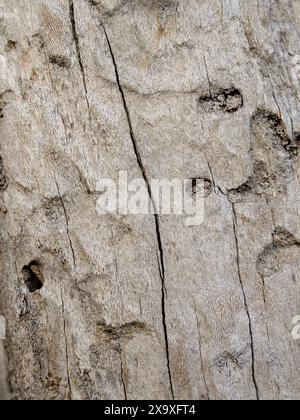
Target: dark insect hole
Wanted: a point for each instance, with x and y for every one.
(33, 277)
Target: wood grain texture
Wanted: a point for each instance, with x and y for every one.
(144, 307)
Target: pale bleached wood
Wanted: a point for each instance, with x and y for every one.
(142, 307)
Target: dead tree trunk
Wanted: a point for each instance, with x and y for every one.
(139, 307)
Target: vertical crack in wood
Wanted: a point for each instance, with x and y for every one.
(211, 174)
(201, 353)
(245, 300)
(122, 370)
(207, 75)
(66, 343)
(78, 51)
(157, 225)
(67, 224)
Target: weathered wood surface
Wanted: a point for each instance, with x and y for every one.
(163, 88)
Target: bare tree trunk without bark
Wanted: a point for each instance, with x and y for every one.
(144, 307)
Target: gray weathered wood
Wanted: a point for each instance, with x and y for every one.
(137, 307)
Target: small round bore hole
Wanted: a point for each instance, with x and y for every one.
(33, 277)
